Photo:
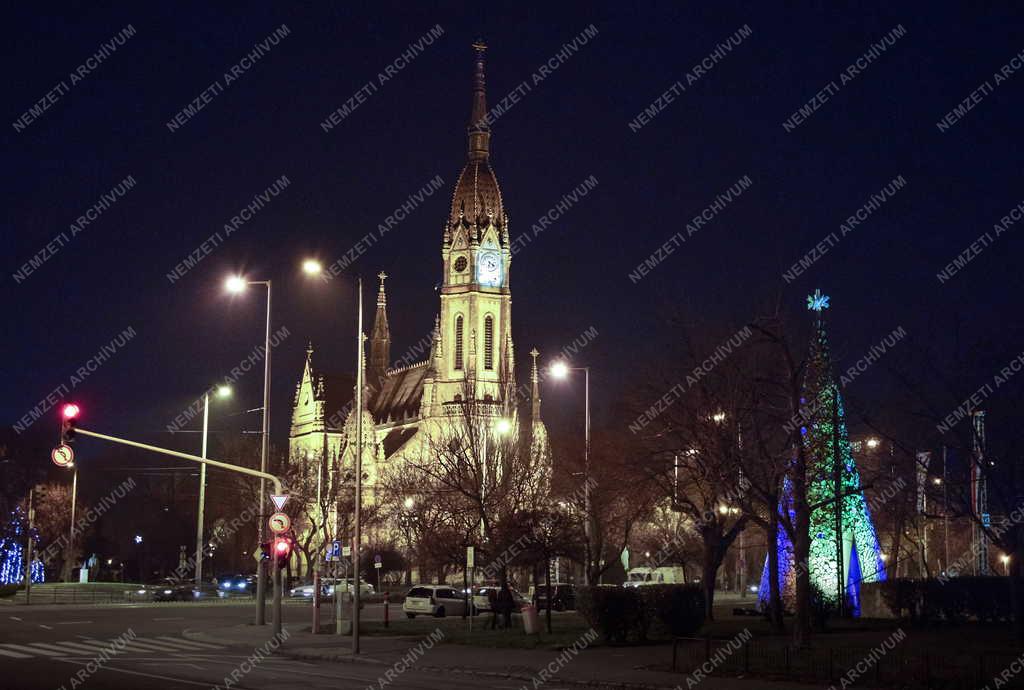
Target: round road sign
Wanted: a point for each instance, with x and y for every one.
(279, 522)
(62, 456)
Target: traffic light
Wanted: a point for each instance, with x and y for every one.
(282, 548)
(69, 415)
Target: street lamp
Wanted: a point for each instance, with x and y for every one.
(236, 285)
(222, 392)
(312, 267)
(1006, 563)
(560, 370)
(409, 503)
(501, 427)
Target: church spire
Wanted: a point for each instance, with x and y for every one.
(535, 384)
(380, 337)
(479, 130)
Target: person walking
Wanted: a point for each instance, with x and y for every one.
(506, 602)
(492, 602)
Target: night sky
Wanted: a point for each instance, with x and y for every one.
(572, 125)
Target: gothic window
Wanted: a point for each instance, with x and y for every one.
(458, 342)
(489, 342)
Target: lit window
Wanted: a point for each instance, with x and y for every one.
(489, 342)
(458, 342)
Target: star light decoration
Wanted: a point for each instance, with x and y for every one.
(817, 302)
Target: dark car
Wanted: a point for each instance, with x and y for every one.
(237, 584)
(170, 589)
(563, 599)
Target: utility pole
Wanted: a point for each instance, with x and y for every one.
(28, 547)
(69, 565)
(359, 473)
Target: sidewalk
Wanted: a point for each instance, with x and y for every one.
(628, 668)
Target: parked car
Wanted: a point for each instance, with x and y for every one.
(563, 598)
(665, 575)
(482, 602)
(434, 600)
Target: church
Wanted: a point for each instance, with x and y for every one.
(471, 359)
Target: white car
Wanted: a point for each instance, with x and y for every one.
(434, 600)
(482, 602)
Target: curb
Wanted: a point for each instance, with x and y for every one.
(562, 681)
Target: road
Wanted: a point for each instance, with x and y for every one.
(56, 648)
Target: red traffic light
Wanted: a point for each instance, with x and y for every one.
(71, 411)
(282, 547)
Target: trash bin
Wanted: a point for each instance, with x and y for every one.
(531, 622)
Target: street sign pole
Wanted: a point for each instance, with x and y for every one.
(28, 548)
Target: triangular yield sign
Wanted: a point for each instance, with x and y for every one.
(279, 501)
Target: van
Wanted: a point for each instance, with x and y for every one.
(665, 575)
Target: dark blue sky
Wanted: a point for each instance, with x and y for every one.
(571, 126)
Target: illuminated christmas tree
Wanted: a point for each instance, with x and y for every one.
(831, 472)
(12, 554)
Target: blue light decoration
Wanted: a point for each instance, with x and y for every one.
(12, 556)
(825, 437)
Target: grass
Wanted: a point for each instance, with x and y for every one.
(566, 628)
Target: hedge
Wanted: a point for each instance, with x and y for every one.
(622, 614)
(957, 599)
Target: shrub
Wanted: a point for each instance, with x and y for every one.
(678, 608)
(615, 612)
(621, 614)
(954, 600)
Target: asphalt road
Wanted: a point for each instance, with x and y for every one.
(56, 648)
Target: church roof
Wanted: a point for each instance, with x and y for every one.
(477, 196)
(399, 393)
(395, 439)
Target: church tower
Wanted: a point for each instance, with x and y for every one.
(476, 301)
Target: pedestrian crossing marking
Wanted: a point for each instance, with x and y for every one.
(92, 647)
(13, 655)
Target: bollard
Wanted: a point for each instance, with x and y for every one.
(386, 606)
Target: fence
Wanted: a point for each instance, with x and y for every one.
(897, 668)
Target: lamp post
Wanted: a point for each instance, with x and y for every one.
(501, 426)
(223, 392)
(237, 284)
(560, 370)
(313, 267)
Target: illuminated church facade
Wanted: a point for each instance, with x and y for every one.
(471, 359)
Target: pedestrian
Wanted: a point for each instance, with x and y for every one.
(505, 604)
(492, 603)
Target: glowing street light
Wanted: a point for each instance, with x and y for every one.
(873, 443)
(1006, 563)
(223, 391)
(235, 284)
(559, 370)
(312, 267)
(718, 417)
(503, 426)
(409, 503)
(138, 538)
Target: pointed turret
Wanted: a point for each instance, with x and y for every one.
(535, 387)
(380, 337)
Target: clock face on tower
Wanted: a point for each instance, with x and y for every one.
(489, 269)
